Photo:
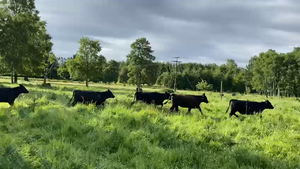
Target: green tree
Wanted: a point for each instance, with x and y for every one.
(51, 60)
(203, 85)
(238, 81)
(63, 72)
(140, 59)
(111, 71)
(24, 41)
(150, 74)
(166, 79)
(123, 75)
(248, 74)
(87, 60)
(266, 71)
(291, 76)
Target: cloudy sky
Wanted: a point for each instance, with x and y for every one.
(205, 31)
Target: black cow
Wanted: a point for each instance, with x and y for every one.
(8, 95)
(152, 97)
(187, 101)
(87, 97)
(248, 107)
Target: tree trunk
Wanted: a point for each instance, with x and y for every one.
(12, 75)
(86, 82)
(45, 77)
(16, 77)
(138, 80)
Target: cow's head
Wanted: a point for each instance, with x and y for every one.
(22, 89)
(204, 98)
(110, 94)
(268, 105)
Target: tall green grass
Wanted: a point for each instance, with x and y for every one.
(43, 131)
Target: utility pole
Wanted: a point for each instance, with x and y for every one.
(176, 62)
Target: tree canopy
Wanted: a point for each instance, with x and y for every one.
(85, 65)
(140, 59)
(25, 43)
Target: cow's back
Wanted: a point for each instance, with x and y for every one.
(150, 97)
(5, 94)
(81, 96)
(186, 100)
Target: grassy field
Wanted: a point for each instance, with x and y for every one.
(43, 131)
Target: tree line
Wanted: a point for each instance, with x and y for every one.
(269, 73)
(26, 50)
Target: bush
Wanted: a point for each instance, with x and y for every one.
(203, 85)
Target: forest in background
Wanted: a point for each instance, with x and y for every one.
(272, 71)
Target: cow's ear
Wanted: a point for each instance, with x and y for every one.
(203, 94)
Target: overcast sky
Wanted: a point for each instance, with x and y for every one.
(205, 31)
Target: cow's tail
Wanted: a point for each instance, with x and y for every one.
(228, 106)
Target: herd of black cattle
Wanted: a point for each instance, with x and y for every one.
(9, 95)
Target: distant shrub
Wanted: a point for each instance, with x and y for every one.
(203, 85)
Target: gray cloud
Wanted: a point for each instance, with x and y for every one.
(206, 31)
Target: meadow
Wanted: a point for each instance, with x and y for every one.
(42, 130)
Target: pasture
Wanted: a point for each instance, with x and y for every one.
(42, 130)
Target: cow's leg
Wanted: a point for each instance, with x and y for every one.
(132, 103)
(172, 108)
(260, 115)
(233, 113)
(74, 103)
(176, 108)
(11, 103)
(102, 104)
(200, 110)
(189, 110)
